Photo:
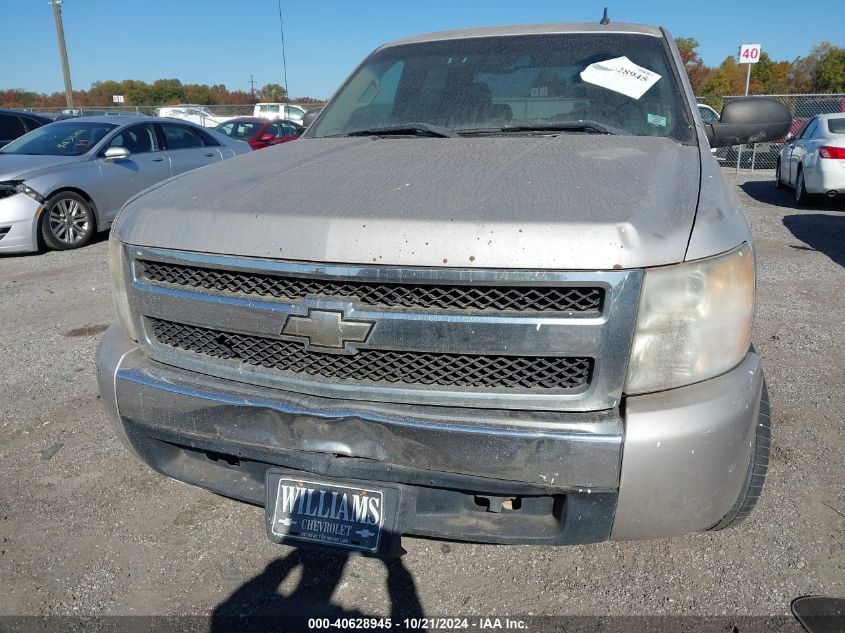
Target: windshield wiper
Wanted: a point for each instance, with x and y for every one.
(565, 126)
(414, 128)
(592, 127)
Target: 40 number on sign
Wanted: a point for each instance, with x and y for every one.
(749, 53)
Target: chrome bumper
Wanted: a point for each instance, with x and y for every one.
(685, 455)
(518, 446)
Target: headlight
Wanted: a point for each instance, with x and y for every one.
(11, 187)
(117, 267)
(32, 193)
(694, 321)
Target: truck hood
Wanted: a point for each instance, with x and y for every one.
(559, 202)
(22, 166)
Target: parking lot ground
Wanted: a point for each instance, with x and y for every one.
(87, 530)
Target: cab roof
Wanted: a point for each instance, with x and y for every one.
(532, 29)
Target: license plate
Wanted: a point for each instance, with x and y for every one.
(330, 514)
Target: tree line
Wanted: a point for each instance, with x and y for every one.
(140, 93)
(821, 71)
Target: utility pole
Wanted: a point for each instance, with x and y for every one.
(60, 34)
(284, 58)
(252, 87)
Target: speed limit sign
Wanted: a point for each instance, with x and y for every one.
(749, 53)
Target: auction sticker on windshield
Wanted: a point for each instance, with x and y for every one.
(326, 513)
(621, 75)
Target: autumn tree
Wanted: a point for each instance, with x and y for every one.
(693, 63)
(167, 91)
(769, 77)
(198, 93)
(272, 93)
(727, 79)
(829, 72)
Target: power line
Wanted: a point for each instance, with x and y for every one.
(284, 60)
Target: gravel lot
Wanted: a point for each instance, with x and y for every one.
(91, 531)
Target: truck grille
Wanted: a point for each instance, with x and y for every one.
(524, 340)
(585, 300)
(391, 366)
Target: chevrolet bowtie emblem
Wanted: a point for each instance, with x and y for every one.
(327, 330)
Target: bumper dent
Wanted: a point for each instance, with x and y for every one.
(540, 448)
(686, 451)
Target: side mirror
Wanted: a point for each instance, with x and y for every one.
(749, 120)
(116, 153)
(266, 138)
(308, 119)
(789, 137)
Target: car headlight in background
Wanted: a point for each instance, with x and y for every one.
(694, 321)
(117, 267)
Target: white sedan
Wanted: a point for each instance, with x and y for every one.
(814, 161)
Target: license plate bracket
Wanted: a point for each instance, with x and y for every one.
(341, 514)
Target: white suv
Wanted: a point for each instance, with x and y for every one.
(279, 111)
(198, 114)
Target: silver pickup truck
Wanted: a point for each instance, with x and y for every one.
(498, 292)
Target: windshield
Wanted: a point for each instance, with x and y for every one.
(65, 138)
(239, 129)
(488, 83)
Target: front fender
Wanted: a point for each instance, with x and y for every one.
(720, 223)
(82, 178)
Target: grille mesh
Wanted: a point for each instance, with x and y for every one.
(406, 367)
(418, 296)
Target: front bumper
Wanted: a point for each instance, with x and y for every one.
(19, 224)
(568, 471)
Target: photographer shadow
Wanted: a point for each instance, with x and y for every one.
(257, 605)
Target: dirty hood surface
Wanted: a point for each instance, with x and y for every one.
(564, 202)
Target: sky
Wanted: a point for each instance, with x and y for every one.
(226, 41)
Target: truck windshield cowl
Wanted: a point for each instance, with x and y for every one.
(558, 83)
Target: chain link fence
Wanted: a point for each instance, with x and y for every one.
(214, 112)
(764, 155)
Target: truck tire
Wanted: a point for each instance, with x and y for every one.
(752, 487)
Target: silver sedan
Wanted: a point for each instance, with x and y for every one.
(65, 181)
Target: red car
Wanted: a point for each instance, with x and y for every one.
(260, 133)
